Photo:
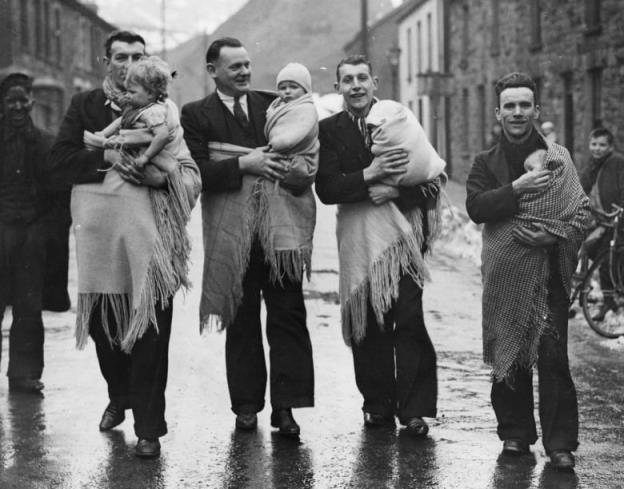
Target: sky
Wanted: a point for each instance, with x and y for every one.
(183, 18)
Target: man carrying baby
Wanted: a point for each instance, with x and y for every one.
(534, 223)
(250, 254)
(350, 176)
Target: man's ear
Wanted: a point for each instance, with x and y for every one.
(537, 112)
(497, 112)
(375, 82)
(211, 69)
(337, 86)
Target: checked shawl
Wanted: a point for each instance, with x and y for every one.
(515, 276)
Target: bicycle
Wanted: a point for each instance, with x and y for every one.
(602, 307)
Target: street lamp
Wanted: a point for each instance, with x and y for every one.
(393, 54)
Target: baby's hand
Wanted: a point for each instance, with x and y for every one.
(141, 161)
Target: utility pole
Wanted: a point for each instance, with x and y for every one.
(364, 26)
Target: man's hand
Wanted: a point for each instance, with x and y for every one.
(532, 181)
(537, 237)
(263, 164)
(149, 175)
(153, 177)
(391, 163)
(380, 193)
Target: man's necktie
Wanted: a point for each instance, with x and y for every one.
(239, 114)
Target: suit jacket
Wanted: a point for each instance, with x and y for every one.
(208, 119)
(490, 195)
(343, 157)
(69, 161)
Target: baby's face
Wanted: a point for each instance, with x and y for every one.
(535, 161)
(290, 90)
(138, 95)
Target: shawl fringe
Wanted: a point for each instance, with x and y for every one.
(167, 272)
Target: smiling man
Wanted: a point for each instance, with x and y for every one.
(110, 249)
(526, 275)
(246, 259)
(394, 359)
(23, 204)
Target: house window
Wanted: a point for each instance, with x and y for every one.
(57, 37)
(410, 55)
(568, 111)
(419, 46)
(494, 28)
(39, 42)
(536, 25)
(466, 120)
(482, 115)
(47, 31)
(592, 16)
(24, 24)
(429, 43)
(595, 96)
(463, 64)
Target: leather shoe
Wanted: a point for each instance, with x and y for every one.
(284, 421)
(113, 416)
(562, 459)
(515, 447)
(372, 419)
(147, 448)
(417, 427)
(246, 421)
(30, 386)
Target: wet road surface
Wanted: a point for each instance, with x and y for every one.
(54, 442)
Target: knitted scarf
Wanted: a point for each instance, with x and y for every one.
(515, 276)
(132, 251)
(282, 221)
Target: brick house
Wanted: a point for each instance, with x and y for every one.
(60, 43)
(574, 49)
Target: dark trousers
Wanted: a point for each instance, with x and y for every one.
(292, 370)
(558, 411)
(137, 380)
(22, 265)
(395, 367)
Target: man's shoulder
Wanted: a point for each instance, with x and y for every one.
(331, 121)
(488, 154)
(91, 96)
(616, 157)
(262, 98)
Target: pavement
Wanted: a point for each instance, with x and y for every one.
(53, 441)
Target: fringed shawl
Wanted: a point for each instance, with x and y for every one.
(282, 222)
(377, 245)
(515, 276)
(132, 248)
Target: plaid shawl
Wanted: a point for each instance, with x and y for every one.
(282, 221)
(515, 277)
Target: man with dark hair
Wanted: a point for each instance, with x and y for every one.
(244, 257)
(23, 206)
(136, 376)
(394, 359)
(602, 179)
(528, 259)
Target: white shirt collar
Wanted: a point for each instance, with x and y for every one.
(228, 100)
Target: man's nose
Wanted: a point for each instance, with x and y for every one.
(517, 110)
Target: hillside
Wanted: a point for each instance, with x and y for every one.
(276, 32)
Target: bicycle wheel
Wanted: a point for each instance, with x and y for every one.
(604, 316)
